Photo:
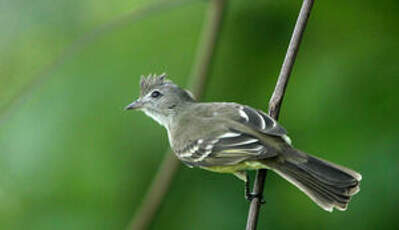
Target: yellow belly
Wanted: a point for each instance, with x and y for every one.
(247, 165)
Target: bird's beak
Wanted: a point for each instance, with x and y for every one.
(135, 105)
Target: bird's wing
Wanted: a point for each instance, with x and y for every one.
(259, 121)
(230, 133)
(228, 148)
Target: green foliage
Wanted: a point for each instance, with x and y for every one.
(70, 158)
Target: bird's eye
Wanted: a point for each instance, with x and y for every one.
(155, 94)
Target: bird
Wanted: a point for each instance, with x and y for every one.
(228, 137)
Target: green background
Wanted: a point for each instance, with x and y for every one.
(71, 158)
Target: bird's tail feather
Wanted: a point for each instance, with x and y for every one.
(327, 184)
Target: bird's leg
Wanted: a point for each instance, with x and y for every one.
(248, 194)
(251, 195)
(243, 175)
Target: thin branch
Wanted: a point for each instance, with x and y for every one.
(200, 72)
(156, 192)
(276, 100)
(78, 45)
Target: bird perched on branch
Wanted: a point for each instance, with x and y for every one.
(232, 138)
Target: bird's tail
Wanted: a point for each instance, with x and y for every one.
(327, 184)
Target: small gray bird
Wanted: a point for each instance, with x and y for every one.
(232, 138)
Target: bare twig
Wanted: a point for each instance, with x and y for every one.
(200, 72)
(156, 192)
(276, 100)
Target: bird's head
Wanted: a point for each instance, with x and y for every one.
(160, 98)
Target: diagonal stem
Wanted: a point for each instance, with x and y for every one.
(200, 72)
(81, 43)
(276, 100)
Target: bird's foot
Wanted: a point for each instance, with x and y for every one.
(250, 196)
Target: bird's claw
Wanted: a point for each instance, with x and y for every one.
(250, 196)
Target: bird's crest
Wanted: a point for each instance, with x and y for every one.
(151, 81)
